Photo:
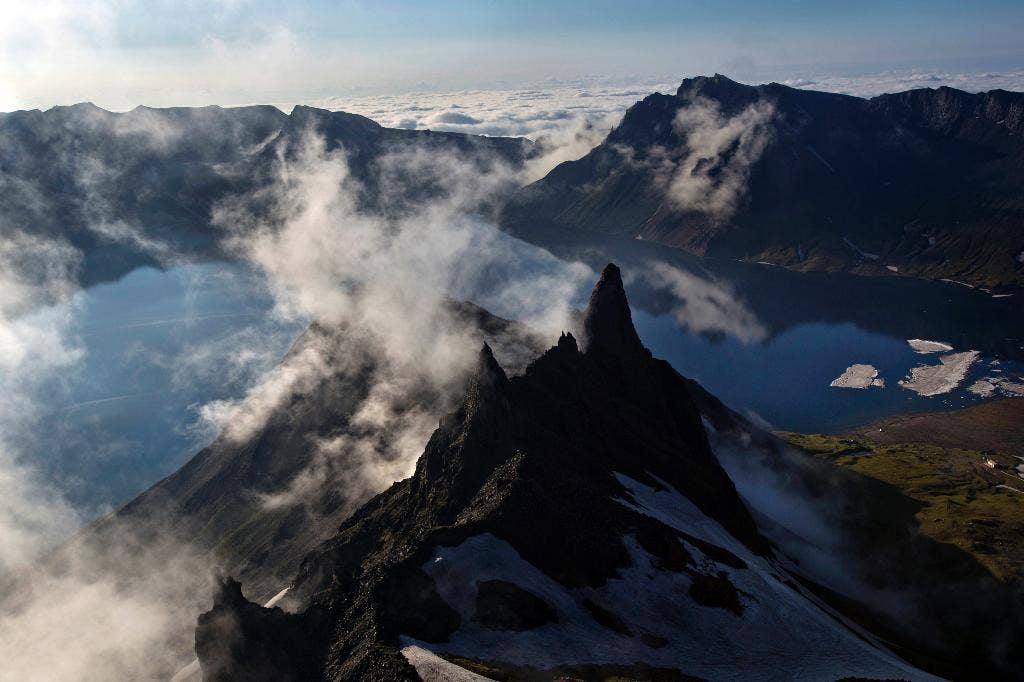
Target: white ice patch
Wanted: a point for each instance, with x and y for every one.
(929, 380)
(983, 387)
(192, 671)
(922, 346)
(997, 385)
(858, 376)
(276, 598)
(783, 632)
(821, 158)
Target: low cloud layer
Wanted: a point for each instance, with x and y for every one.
(530, 112)
(871, 84)
(36, 280)
(566, 121)
(88, 612)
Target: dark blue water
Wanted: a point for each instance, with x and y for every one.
(159, 344)
(785, 379)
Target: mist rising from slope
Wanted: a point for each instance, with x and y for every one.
(328, 260)
(719, 152)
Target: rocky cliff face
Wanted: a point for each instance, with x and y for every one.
(570, 520)
(925, 181)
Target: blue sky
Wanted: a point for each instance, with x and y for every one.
(125, 52)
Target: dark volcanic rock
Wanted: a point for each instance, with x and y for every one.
(608, 324)
(502, 605)
(253, 643)
(528, 460)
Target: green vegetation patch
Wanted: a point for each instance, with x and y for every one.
(965, 500)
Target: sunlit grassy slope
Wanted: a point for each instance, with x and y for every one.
(965, 503)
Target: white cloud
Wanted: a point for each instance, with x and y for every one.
(84, 615)
(718, 152)
(36, 346)
(705, 306)
(388, 281)
(87, 613)
(567, 121)
(871, 84)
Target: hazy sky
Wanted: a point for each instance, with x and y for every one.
(126, 52)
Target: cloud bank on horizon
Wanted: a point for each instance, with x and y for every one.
(573, 117)
(122, 53)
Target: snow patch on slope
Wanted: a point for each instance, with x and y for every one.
(782, 633)
(861, 252)
(432, 668)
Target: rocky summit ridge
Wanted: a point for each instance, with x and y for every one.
(569, 520)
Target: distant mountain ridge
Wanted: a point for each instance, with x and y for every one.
(128, 189)
(926, 182)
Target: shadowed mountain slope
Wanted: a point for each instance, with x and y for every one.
(926, 182)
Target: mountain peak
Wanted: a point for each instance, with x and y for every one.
(608, 323)
(488, 370)
(567, 342)
(725, 90)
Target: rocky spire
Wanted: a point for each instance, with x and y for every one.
(488, 370)
(470, 442)
(607, 324)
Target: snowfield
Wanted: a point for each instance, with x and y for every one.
(432, 668)
(783, 632)
(860, 252)
(858, 376)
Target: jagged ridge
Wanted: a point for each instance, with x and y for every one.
(548, 465)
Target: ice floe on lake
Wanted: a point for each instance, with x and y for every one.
(929, 380)
(858, 376)
(997, 385)
(922, 346)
